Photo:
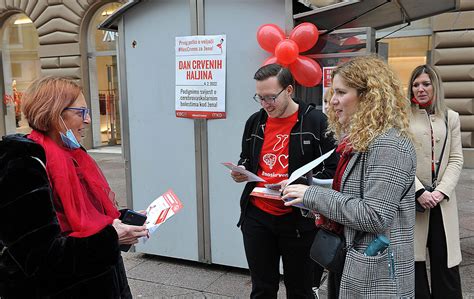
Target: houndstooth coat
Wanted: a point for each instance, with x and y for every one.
(370, 201)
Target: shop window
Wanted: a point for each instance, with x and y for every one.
(21, 66)
(406, 53)
(407, 48)
(105, 102)
(14, 36)
(16, 70)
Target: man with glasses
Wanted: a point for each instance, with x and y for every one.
(283, 136)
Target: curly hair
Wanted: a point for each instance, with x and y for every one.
(382, 104)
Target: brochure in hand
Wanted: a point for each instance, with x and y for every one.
(161, 209)
(272, 191)
(273, 194)
(251, 177)
(157, 213)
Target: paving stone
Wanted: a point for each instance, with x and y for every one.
(132, 259)
(467, 280)
(196, 277)
(147, 289)
(201, 295)
(232, 284)
(467, 258)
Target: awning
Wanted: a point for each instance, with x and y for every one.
(110, 24)
(377, 14)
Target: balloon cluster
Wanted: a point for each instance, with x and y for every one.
(303, 37)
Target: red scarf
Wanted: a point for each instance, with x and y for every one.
(83, 201)
(345, 151)
(425, 105)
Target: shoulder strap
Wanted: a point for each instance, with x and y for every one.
(39, 160)
(435, 179)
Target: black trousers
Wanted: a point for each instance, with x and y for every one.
(334, 284)
(445, 282)
(317, 275)
(266, 239)
(125, 292)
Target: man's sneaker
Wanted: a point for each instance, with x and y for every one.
(316, 292)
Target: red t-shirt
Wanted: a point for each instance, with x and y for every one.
(273, 161)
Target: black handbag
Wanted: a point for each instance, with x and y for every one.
(329, 250)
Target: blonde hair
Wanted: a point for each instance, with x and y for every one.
(46, 98)
(438, 105)
(327, 99)
(382, 104)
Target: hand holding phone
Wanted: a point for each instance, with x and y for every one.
(131, 217)
(130, 228)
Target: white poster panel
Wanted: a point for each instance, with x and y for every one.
(200, 76)
(327, 70)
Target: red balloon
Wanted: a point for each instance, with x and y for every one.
(286, 51)
(270, 60)
(305, 35)
(268, 36)
(306, 71)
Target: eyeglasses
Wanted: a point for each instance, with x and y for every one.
(84, 111)
(267, 99)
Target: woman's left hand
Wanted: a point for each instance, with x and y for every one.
(294, 192)
(438, 196)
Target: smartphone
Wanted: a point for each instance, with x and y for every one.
(130, 217)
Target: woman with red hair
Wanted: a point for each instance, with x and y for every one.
(59, 232)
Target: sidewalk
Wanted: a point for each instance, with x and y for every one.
(160, 277)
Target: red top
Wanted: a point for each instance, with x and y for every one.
(273, 162)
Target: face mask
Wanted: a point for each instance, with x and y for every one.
(69, 140)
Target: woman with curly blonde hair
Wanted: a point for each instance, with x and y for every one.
(373, 192)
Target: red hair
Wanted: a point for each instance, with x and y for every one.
(45, 100)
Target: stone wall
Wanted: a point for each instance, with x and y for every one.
(453, 56)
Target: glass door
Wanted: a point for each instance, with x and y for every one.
(20, 67)
(103, 80)
(109, 106)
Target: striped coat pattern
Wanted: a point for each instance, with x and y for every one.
(377, 197)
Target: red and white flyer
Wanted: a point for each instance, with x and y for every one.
(266, 193)
(161, 209)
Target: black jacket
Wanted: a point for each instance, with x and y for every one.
(36, 261)
(308, 141)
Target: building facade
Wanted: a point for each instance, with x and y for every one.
(453, 55)
(60, 37)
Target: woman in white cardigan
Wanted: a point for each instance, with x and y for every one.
(439, 162)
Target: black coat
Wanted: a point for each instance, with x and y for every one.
(308, 141)
(37, 261)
